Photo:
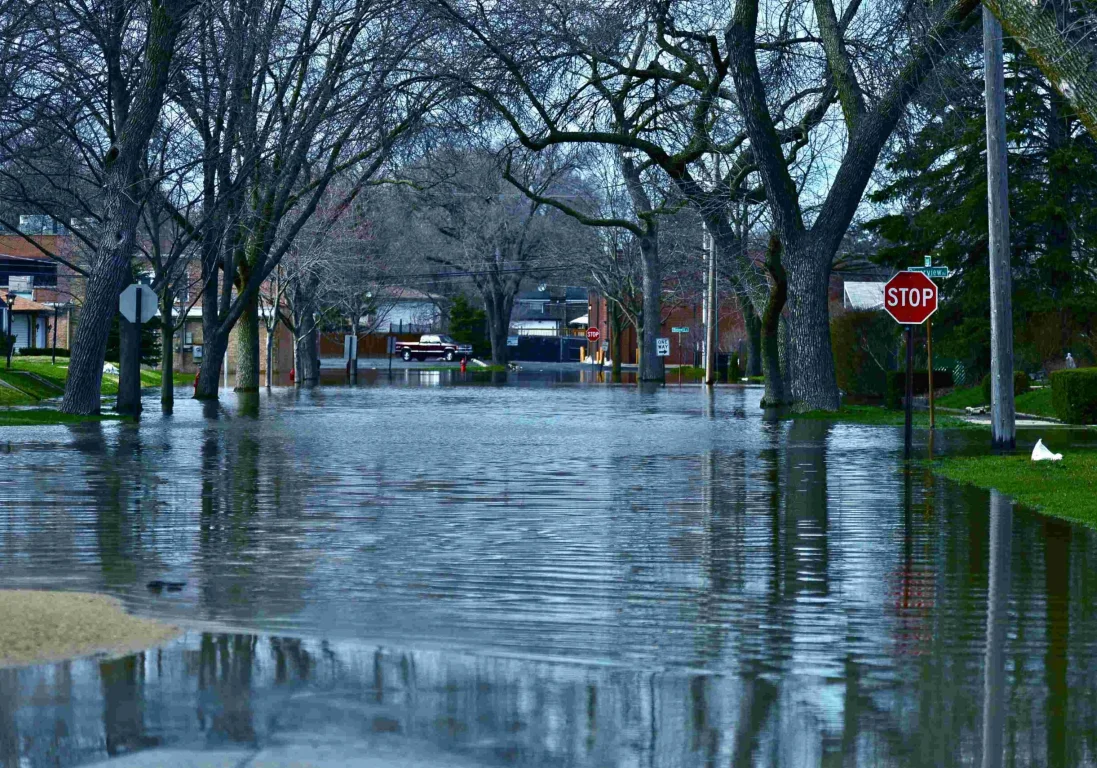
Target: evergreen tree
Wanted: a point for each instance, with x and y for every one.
(468, 325)
(938, 189)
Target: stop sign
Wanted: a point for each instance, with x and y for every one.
(910, 297)
(593, 333)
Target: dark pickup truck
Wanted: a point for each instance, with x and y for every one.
(433, 345)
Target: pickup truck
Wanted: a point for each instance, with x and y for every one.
(433, 345)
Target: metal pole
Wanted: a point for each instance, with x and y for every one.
(929, 372)
(908, 438)
(1002, 408)
(681, 359)
(711, 315)
(55, 316)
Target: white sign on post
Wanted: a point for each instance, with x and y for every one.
(390, 345)
(662, 347)
(127, 303)
(350, 347)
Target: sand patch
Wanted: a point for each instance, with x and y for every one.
(40, 626)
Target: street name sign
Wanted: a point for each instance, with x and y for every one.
(910, 298)
(931, 271)
(662, 347)
(127, 303)
(679, 330)
(593, 334)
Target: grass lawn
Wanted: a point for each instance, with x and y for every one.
(40, 416)
(963, 397)
(884, 417)
(1036, 402)
(1066, 488)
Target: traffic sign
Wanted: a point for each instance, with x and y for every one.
(662, 347)
(931, 271)
(593, 334)
(910, 298)
(127, 303)
(679, 330)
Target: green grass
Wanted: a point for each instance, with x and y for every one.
(34, 387)
(1036, 402)
(9, 396)
(1064, 488)
(884, 417)
(42, 416)
(963, 397)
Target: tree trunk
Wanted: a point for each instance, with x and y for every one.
(269, 377)
(770, 327)
(753, 326)
(167, 358)
(814, 386)
(616, 348)
(214, 345)
(498, 306)
(247, 348)
(121, 206)
(307, 355)
(129, 368)
(651, 365)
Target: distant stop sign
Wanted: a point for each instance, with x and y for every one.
(910, 297)
(593, 333)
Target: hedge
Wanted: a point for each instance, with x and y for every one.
(897, 385)
(43, 351)
(1074, 395)
(1021, 384)
(863, 344)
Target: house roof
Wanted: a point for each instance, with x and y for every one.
(573, 294)
(400, 293)
(863, 296)
(26, 305)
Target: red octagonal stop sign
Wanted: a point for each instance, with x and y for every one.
(593, 333)
(910, 297)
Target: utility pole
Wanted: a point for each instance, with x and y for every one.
(710, 311)
(1002, 409)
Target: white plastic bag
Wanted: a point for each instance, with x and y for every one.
(1041, 453)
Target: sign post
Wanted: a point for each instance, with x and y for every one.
(391, 349)
(910, 298)
(593, 334)
(681, 351)
(137, 303)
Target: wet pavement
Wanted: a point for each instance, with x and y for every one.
(525, 572)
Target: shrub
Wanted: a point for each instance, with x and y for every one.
(1074, 395)
(897, 385)
(43, 352)
(1021, 384)
(735, 371)
(863, 344)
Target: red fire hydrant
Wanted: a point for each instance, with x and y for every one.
(292, 371)
(464, 364)
(196, 375)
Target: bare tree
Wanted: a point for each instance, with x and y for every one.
(308, 91)
(477, 225)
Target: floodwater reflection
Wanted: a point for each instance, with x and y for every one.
(547, 575)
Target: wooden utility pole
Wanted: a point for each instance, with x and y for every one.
(710, 312)
(1002, 411)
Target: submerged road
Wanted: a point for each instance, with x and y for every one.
(517, 572)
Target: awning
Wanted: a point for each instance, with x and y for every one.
(863, 296)
(584, 320)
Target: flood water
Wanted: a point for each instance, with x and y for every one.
(536, 573)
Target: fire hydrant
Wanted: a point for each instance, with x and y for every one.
(464, 364)
(292, 371)
(196, 375)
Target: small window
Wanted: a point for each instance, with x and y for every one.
(188, 338)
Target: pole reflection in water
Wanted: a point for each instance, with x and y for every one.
(994, 675)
